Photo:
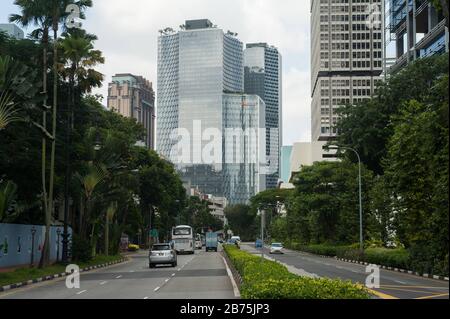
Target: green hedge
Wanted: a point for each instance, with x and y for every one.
(397, 258)
(271, 280)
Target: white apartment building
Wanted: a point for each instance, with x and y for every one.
(346, 58)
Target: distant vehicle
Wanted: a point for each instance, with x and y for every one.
(162, 254)
(183, 239)
(211, 241)
(198, 242)
(276, 248)
(133, 247)
(235, 239)
(258, 243)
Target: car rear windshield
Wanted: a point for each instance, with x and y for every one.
(276, 245)
(161, 247)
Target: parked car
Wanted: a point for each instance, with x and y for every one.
(276, 248)
(162, 254)
(198, 244)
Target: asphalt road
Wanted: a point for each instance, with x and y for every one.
(393, 285)
(199, 276)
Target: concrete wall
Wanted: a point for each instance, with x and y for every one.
(17, 242)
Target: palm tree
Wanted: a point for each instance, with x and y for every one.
(48, 14)
(110, 212)
(36, 13)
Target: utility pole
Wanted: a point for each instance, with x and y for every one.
(262, 235)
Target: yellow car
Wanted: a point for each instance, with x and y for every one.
(132, 247)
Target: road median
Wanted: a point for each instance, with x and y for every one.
(265, 279)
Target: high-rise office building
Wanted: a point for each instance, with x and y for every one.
(263, 77)
(12, 30)
(133, 96)
(200, 73)
(417, 29)
(346, 58)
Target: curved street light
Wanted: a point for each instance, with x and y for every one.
(336, 147)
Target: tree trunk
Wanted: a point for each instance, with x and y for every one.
(44, 118)
(107, 235)
(45, 257)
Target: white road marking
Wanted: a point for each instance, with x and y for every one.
(102, 283)
(400, 282)
(80, 292)
(166, 280)
(119, 277)
(178, 269)
(131, 270)
(146, 298)
(173, 274)
(233, 283)
(157, 288)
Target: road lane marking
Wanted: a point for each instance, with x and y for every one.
(157, 288)
(407, 290)
(131, 270)
(433, 296)
(102, 283)
(166, 280)
(400, 282)
(80, 292)
(423, 287)
(146, 298)
(173, 274)
(118, 277)
(236, 292)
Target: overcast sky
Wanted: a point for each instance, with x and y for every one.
(128, 31)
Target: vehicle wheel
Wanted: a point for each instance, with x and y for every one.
(151, 266)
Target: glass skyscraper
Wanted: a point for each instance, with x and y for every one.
(198, 67)
(263, 77)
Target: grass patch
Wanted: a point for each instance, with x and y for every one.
(271, 280)
(25, 274)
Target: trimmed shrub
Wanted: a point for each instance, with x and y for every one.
(81, 249)
(271, 280)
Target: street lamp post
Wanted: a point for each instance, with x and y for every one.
(361, 243)
(33, 232)
(262, 234)
(58, 233)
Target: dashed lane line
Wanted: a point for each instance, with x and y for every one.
(80, 292)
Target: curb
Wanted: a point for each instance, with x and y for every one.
(64, 274)
(394, 269)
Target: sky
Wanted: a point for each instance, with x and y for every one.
(127, 33)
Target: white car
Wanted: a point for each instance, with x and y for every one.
(198, 244)
(276, 248)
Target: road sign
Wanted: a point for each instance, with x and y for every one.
(154, 233)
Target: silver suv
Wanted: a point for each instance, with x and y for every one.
(162, 254)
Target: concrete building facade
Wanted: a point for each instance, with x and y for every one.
(133, 96)
(347, 56)
(12, 30)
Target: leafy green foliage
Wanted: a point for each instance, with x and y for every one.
(271, 280)
(241, 219)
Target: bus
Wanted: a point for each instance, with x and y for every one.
(183, 239)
